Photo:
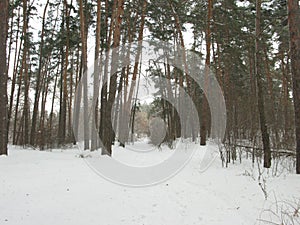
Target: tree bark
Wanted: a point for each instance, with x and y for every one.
(83, 28)
(109, 133)
(105, 77)
(97, 71)
(204, 122)
(294, 21)
(260, 97)
(3, 77)
(15, 68)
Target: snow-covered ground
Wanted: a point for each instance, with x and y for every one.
(58, 187)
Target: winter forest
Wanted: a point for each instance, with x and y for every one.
(195, 102)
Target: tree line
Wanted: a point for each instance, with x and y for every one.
(253, 48)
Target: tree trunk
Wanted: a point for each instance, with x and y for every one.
(204, 122)
(109, 133)
(97, 71)
(294, 21)
(83, 28)
(138, 54)
(3, 76)
(128, 102)
(15, 68)
(26, 78)
(61, 134)
(260, 96)
(41, 131)
(38, 83)
(105, 77)
(52, 107)
(26, 107)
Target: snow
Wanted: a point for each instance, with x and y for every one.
(58, 187)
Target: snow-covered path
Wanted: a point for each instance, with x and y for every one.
(46, 188)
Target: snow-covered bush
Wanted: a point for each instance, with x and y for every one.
(157, 131)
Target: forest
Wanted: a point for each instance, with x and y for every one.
(251, 47)
(149, 112)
